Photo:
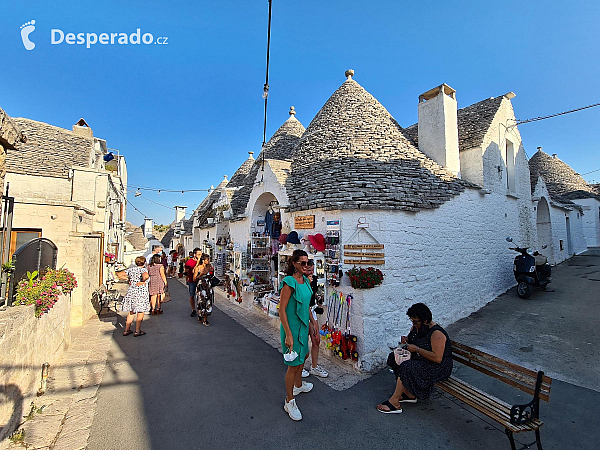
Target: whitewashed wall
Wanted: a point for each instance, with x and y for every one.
(591, 220)
(454, 258)
(558, 216)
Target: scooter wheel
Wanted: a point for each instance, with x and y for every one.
(353, 338)
(524, 289)
(340, 353)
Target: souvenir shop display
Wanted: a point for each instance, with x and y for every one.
(337, 331)
(333, 253)
(260, 259)
(220, 264)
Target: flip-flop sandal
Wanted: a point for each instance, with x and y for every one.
(392, 410)
(206, 324)
(406, 399)
(127, 333)
(141, 333)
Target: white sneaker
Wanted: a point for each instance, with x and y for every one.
(305, 373)
(306, 387)
(319, 372)
(292, 410)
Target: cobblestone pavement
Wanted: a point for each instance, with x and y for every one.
(61, 418)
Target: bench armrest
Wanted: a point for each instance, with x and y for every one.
(521, 414)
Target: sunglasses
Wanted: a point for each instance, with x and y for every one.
(302, 263)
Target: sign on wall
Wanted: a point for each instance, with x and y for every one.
(304, 222)
(363, 252)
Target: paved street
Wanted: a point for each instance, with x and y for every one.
(186, 386)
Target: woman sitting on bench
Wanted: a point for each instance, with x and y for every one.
(430, 361)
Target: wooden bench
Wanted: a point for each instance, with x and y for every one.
(515, 418)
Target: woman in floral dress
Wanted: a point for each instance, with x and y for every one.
(136, 300)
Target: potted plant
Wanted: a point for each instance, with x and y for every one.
(109, 258)
(365, 278)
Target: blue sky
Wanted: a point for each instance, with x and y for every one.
(186, 113)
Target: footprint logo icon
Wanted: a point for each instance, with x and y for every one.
(26, 30)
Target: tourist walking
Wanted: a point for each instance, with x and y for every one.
(156, 285)
(163, 261)
(156, 250)
(136, 300)
(204, 290)
(294, 315)
(190, 266)
(313, 327)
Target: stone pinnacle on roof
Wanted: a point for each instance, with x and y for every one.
(349, 74)
(251, 155)
(292, 111)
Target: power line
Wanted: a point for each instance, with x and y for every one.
(536, 119)
(133, 206)
(592, 171)
(141, 188)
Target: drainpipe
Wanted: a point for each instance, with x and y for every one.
(101, 271)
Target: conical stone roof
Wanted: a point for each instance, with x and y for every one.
(354, 155)
(240, 175)
(279, 147)
(563, 183)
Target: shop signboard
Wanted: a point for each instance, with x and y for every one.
(304, 222)
(363, 246)
(333, 224)
(364, 255)
(364, 262)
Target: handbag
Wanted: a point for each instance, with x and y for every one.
(401, 355)
(214, 281)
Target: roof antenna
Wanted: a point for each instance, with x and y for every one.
(266, 90)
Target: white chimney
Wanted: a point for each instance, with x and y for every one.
(148, 227)
(179, 213)
(438, 127)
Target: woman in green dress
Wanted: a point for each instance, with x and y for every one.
(295, 294)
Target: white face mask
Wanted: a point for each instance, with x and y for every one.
(289, 357)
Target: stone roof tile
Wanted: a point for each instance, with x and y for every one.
(563, 183)
(279, 147)
(49, 151)
(354, 154)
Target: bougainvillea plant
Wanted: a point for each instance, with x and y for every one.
(365, 278)
(44, 292)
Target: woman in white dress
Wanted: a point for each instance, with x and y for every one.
(136, 300)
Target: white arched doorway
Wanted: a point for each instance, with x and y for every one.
(261, 206)
(544, 230)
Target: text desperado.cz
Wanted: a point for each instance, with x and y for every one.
(89, 39)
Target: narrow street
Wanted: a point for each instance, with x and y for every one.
(187, 386)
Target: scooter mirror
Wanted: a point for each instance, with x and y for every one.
(509, 239)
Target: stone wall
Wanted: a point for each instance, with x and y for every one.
(25, 344)
(78, 249)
